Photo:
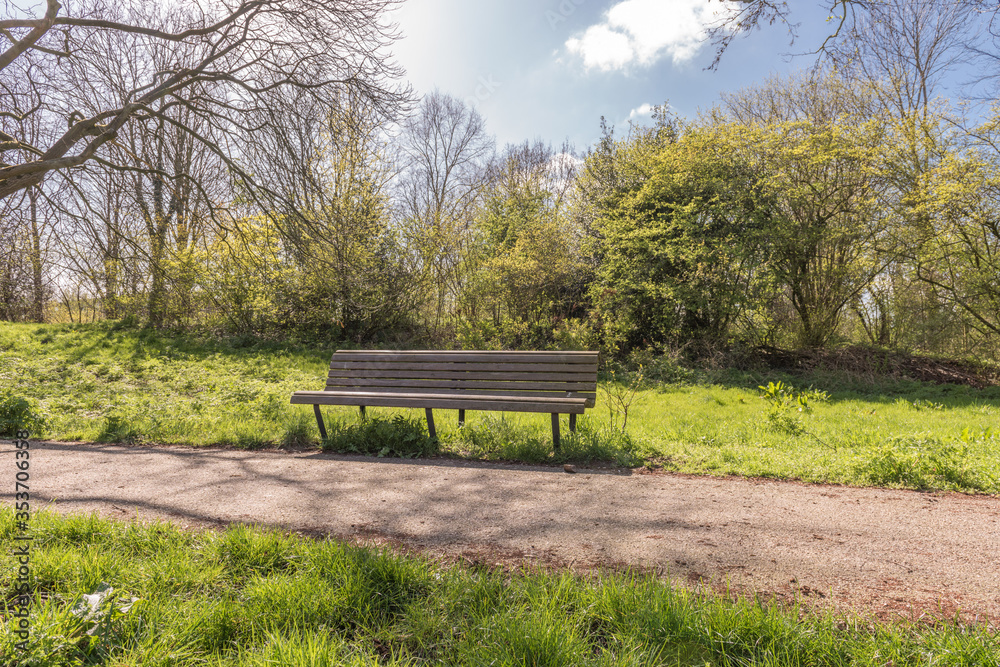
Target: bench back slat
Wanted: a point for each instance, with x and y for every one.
(478, 373)
(459, 367)
(590, 395)
(339, 383)
(464, 375)
(587, 358)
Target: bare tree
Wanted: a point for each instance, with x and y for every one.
(55, 66)
(29, 222)
(102, 240)
(905, 50)
(745, 16)
(334, 168)
(444, 150)
(15, 270)
(845, 19)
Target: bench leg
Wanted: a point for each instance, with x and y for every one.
(430, 422)
(572, 423)
(364, 415)
(461, 417)
(319, 421)
(555, 431)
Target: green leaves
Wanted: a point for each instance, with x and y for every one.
(678, 243)
(18, 413)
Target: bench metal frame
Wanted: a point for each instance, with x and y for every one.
(552, 382)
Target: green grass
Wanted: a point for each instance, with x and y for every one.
(157, 595)
(905, 434)
(102, 382)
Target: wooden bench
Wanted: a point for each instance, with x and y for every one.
(553, 382)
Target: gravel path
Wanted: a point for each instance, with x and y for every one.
(883, 551)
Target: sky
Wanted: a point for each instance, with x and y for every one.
(550, 69)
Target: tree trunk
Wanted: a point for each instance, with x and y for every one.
(157, 305)
(37, 287)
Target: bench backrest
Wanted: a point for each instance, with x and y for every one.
(466, 372)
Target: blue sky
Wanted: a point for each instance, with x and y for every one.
(550, 69)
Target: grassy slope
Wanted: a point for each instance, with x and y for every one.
(97, 382)
(248, 598)
(100, 383)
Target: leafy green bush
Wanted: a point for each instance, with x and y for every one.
(400, 437)
(665, 368)
(786, 404)
(18, 413)
(510, 334)
(574, 334)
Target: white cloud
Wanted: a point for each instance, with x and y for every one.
(641, 110)
(644, 31)
(602, 47)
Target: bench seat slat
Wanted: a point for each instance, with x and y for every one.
(586, 358)
(470, 375)
(476, 397)
(464, 385)
(460, 367)
(472, 392)
(452, 402)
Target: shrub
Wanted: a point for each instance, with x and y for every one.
(665, 368)
(620, 390)
(574, 334)
(20, 414)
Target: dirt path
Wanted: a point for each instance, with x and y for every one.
(888, 552)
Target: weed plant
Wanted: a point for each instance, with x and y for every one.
(400, 437)
(118, 594)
